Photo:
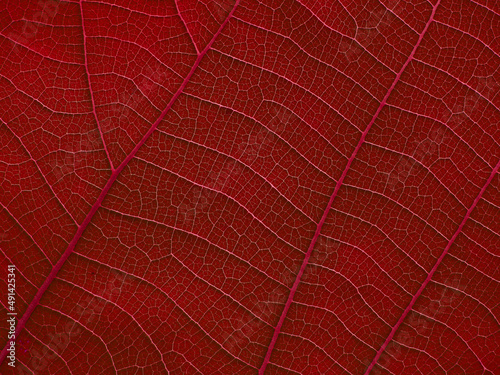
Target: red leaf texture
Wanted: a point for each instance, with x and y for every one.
(244, 187)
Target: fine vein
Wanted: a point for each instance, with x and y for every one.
(114, 175)
(289, 301)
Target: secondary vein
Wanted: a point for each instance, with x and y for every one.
(53, 273)
(289, 301)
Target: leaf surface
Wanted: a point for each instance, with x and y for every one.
(243, 187)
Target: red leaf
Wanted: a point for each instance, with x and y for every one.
(234, 187)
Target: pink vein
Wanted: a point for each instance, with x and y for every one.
(187, 28)
(289, 301)
(90, 88)
(433, 270)
(114, 175)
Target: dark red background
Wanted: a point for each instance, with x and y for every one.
(188, 263)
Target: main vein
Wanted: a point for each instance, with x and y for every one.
(432, 271)
(289, 301)
(114, 175)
